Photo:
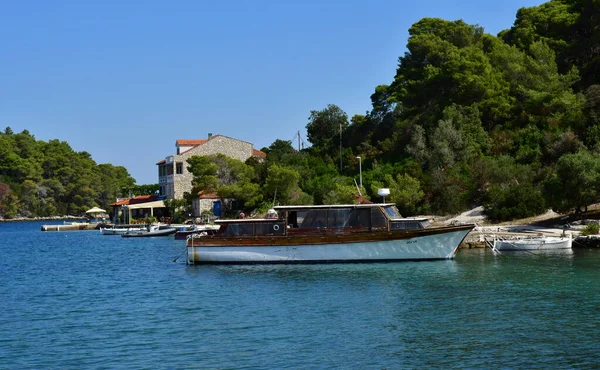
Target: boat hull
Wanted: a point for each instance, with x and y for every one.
(416, 245)
(146, 234)
(118, 231)
(533, 244)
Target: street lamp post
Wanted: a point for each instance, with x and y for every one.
(360, 170)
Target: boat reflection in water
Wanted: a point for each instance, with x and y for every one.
(327, 234)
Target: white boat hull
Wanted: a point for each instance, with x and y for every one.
(426, 247)
(118, 231)
(531, 244)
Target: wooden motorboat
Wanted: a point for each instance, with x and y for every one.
(330, 233)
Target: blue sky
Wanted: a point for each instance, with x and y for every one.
(123, 80)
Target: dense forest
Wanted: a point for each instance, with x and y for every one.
(510, 122)
(41, 179)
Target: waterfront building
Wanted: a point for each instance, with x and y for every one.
(127, 210)
(173, 177)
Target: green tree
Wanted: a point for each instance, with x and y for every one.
(569, 27)
(406, 192)
(115, 182)
(282, 183)
(279, 150)
(340, 194)
(575, 183)
(513, 202)
(325, 125)
(9, 203)
(205, 173)
(176, 208)
(230, 178)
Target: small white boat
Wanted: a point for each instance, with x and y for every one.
(533, 244)
(184, 233)
(119, 230)
(153, 230)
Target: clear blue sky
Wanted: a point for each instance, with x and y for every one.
(123, 80)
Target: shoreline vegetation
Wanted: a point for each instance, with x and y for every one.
(508, 121)
(49, 218)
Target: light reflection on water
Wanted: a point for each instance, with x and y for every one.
(80, 299)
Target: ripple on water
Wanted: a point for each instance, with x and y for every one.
(80, 299)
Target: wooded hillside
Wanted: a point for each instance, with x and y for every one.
(510, 121)
(40, 179)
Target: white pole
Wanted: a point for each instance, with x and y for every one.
(360, 170)
(340, 147)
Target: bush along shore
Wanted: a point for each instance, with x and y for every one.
(49, 218)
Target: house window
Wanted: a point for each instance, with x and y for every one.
(179, 168)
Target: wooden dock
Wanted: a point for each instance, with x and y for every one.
(73, 226)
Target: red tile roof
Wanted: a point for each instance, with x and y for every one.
(161, 162)
(189, 142)
(258, 153)
(201, 195)
(136, 200)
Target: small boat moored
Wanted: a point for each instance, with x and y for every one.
(185, 232)
(327, 234)
(119, 230)
(154, 230)
(533, 244)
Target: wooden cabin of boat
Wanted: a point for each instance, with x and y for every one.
(324, 219)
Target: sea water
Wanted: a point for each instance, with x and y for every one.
(79, 299)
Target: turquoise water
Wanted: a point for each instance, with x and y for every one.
(79, 299)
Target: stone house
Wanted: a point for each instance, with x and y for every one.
(173, 177)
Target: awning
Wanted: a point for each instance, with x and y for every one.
(155, 204)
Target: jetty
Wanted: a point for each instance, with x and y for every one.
(74, 226)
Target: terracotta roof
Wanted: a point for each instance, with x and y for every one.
(136, 200)
(360, 200)
(161, 162)
(258, 153)
(201, 195)
(190, 142)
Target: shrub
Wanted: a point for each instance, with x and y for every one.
(513, 202)
(591, 229)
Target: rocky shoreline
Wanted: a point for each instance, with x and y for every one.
(50, 218)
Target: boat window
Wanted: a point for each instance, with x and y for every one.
(392, 211)
(336, 218)
(268, 228)
(315, 219)
(300, 217)
(377, 218)
(239, 229)
(406, 225)
(359, 217)
(295, 218)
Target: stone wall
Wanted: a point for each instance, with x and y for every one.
(233, 148)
